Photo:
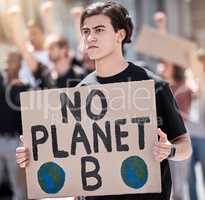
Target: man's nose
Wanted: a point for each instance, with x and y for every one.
(91, 37)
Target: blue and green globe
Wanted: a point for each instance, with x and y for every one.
(134, 172)
(51, 177)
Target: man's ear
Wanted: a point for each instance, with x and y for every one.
(121, 34)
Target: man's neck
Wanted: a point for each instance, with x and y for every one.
(110, 65)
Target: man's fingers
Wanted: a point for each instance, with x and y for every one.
(20, 149)
(163, 145)
(159, 158)
(162, 135)
(161, 154)
(21, 160)
(161, 151)
(23, 164)
(22, 138)
(21, 155)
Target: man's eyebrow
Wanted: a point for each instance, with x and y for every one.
(84, 28)
(96, 27)
(99, 26)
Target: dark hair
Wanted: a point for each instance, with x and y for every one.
(117, 13)
(58, 40)
(178, 73)
(62, 42)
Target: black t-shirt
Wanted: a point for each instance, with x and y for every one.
(169, 120)
(10, 119)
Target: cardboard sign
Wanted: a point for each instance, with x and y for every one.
(170, 48)
(91, 140)
(164, 46)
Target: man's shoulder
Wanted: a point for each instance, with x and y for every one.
(141, 67)
(90, 79)
(141, 72)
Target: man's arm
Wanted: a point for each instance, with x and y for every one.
(47, 16)
(18, 38)
(183, 147)
(181, 143)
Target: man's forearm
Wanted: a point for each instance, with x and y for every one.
(183, 147)
(18, 38)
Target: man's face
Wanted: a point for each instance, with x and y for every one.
(99, 37)
(55, 53)
(36, 37)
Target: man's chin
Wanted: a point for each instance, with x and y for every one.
(94, 57)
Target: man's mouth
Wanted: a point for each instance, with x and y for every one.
(92, 47)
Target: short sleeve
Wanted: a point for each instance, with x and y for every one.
(168, 114)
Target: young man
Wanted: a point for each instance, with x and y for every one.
(106, 27)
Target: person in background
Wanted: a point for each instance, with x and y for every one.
(10, 122)
(175, 75)
(196, 125)
(66, 70)
(160, 21)
(35, 45)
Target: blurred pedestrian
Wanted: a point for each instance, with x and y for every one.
(197, 127)
(176, 77)
(10, 122)
(34, 45)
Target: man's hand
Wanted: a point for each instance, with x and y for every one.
(22, 156)
(163, 148)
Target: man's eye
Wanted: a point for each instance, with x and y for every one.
(85, 32)
(99, 30)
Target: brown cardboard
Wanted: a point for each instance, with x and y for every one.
(124, 101)
(164, 46)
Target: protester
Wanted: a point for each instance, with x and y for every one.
(197, 132)
(10, 122)
(35, 46)
(176, 77)
(106, 27)
(66, 72)
(160, 20)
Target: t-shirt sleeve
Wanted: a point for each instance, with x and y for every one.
(168, 114)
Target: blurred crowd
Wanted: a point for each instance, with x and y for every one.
(42, 59)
